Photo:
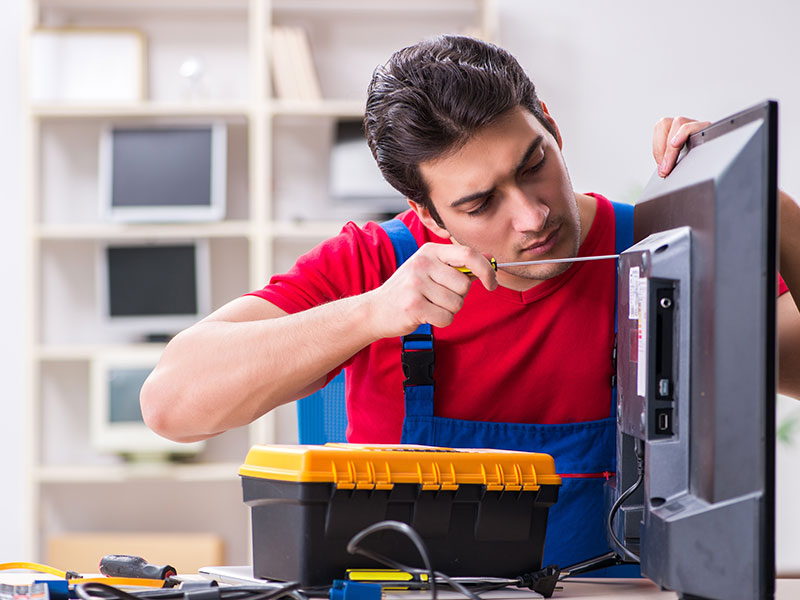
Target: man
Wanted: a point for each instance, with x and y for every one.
(522, 355)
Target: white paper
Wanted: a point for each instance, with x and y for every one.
(641, 343)
(633, 293)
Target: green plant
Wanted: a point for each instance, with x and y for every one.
(787, 428)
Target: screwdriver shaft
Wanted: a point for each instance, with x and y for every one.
(557, 260)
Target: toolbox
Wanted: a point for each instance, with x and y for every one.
(479, 512)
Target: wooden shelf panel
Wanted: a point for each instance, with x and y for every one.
(238, 6)
(70, 474)
(370, 6)
(129, 231)
(84, 352)
(306, 229)
(324, 108)
(230, 111)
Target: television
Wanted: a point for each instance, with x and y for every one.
(151, 291)
(163, 174)
(356, 186)
(116, 424)
(696, 366)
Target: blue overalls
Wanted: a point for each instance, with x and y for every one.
(585, 451)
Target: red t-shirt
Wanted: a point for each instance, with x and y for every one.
(539, 356)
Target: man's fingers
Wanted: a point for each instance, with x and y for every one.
(455, 257)
(679, 131)
(660, 137)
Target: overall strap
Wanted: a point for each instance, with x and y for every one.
(623, 239)
(417, 348)
(623, 219)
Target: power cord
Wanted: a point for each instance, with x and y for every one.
(207, 590)
(354, 548)
(638, 450)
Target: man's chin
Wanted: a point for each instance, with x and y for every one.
(538, 272)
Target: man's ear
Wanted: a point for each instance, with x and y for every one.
(552, 122)
(427, 219)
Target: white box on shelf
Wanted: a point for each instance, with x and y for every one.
(86, 65)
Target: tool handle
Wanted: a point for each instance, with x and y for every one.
(125, 565)
(466, 271)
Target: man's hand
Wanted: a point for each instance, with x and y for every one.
(427, 288)
(669, 136)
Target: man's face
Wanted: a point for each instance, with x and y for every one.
(507, 194)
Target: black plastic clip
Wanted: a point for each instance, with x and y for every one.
(418, 364)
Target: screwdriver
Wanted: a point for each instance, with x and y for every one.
(125, 565)
(496, 265)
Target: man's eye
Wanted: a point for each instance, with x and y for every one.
(534, 169)
(481, 208)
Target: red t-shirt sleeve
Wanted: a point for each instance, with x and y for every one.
(782, 287)
(353, 262)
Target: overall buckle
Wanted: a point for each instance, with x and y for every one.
(418, 363)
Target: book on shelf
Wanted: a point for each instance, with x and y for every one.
(294, 76)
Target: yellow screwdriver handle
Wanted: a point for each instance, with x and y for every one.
(466, 271)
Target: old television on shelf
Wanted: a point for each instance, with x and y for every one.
(163, 174)
(116, 424)
(696, 366)
(151, 291)
(356, 186)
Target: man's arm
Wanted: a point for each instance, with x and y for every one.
(668, 138)
(789, 303)
(250, 356)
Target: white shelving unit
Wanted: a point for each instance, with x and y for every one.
(272, 145)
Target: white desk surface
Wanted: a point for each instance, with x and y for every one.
(598, 589)
(612, 589)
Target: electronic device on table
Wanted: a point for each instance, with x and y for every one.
(696, 366)
(163, 174)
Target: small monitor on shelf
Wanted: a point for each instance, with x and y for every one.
(152, 291)
(357, 188)
(116, 423)
(163, 174)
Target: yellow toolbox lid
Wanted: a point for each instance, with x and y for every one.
(380, 466)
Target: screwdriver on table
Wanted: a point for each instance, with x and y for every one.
(496, 265)
(125, 565)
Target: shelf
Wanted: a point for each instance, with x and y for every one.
(83, 352)
(68, 474)
(130, 231)
(324, 108)
(230, 111)
(371, 6)
(306, 229)
(278, 163)
(237, 6)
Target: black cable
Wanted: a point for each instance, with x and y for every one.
(639, 451)
(253, 592)
(285, 590)
(408, 531)
(106, 591)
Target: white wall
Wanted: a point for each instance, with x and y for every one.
(607, 70)
(12, 303)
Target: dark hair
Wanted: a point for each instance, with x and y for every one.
(428, 99)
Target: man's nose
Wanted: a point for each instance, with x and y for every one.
(529, 214)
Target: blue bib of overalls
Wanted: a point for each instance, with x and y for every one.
(585, 451)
